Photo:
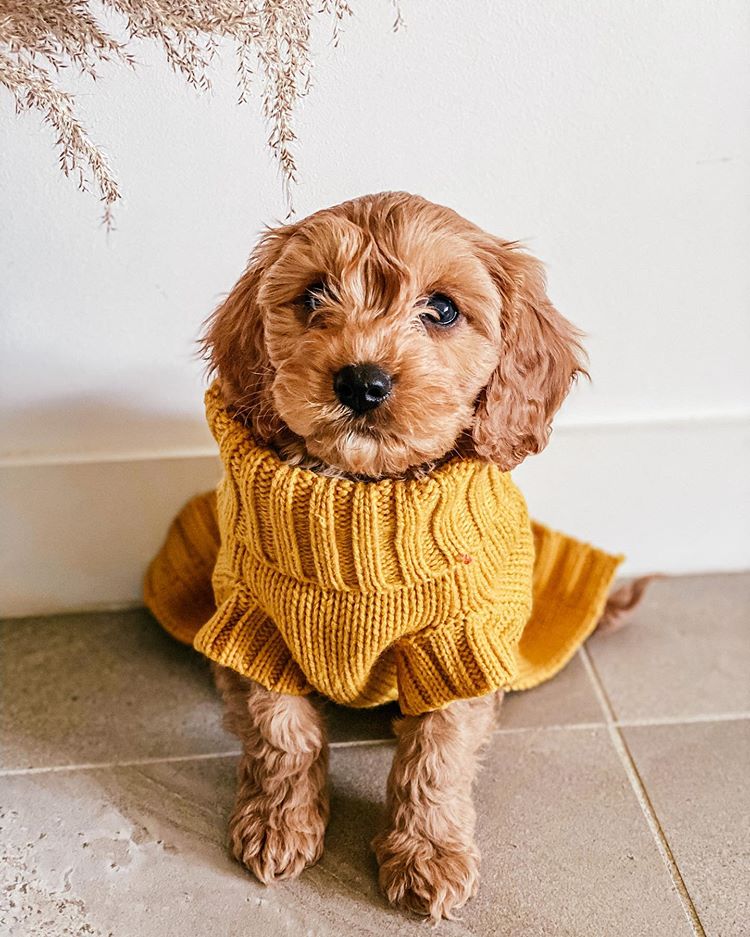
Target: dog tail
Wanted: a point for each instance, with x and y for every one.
(622, 602)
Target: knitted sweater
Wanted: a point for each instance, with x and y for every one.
(366, 592)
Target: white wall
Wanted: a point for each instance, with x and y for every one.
(613, 137)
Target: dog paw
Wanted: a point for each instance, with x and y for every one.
(278, 845)
(429, 878)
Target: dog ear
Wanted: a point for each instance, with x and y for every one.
(234, 345)
(540, 357)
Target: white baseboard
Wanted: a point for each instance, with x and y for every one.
(673, 495)
(78, 535)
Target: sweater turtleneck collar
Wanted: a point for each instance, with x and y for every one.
(365, 536)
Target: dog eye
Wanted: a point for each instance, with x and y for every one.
(313, 296)
(442, 310)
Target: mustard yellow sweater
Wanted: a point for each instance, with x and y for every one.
(425, 591)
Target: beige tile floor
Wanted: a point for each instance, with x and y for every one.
(613, 801)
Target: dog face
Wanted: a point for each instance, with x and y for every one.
(388, 332)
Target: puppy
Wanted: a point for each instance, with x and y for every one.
(377, 339)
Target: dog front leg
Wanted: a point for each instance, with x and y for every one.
(428, 860)
(281, 809)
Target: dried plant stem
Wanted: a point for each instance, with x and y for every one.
(39, 38)
(33, 88)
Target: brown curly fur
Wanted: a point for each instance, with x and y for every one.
(428, 861)
(488, 386)
(281, 809)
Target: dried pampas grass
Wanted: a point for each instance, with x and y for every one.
(38, 38)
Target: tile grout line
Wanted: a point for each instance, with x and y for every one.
(356, 743)
(128, 763)
(163, 759)
(232, 753)
(553, 727)
(698, 719)
(641, 794)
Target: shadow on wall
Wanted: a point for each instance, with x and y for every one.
(72, 428)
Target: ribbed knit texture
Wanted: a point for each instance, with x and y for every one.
(418, 590)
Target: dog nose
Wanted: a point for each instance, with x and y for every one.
(362, 387)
